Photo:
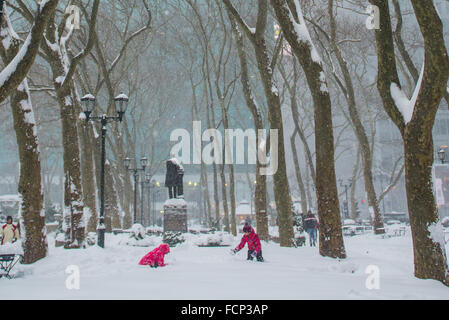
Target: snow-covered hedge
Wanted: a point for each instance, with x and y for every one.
(215, 239)
(145, 242)
(138, 231)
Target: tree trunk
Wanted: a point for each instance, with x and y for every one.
(429, 251)
(87, 168)
(32, 215)
(260, 195)
(301, 187)
(290, 19)
(110, 199)
(355, 173)
(73, 197)
(224, 199)
(359, 130)
(429, 254)
(281, 187)
(232, 199)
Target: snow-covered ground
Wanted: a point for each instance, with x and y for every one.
(212, 273)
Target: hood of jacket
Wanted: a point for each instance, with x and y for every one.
(164, 248)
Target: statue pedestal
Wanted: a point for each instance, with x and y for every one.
(175, 215)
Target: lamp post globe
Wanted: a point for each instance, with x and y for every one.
(121, 104)
(127, 162)
(144, 162)
(88, 104)
(442, 155)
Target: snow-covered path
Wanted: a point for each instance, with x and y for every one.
(212, 273)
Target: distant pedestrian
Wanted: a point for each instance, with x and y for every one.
(9, 232)
(254, 246)
(311, 227)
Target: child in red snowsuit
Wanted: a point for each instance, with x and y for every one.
(254, 246)
(155, 258)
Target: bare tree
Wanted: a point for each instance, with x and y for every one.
(260, 192)
(266, 66)
(414, 119)
(32, 219)
(291, 20)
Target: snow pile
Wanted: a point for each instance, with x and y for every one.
(145, 242)
(215, 239)
(137, 237)
(273, 231)
(349, 222)
(437, 234)
(138, 231)
(60, 237)
(344, 267)
(175, 203)
(196, 229)
(154, 230)
(395, 230)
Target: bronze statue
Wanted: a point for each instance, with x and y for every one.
(174, 177)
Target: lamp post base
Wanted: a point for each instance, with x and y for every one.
(101, 232)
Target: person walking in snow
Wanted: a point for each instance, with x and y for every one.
(254, 246)
(9, 232)
(155, 258)
(311, 225)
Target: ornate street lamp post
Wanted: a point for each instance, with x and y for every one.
(442, 156)
(88, 104)
(145, 184)
(135, 171)
(346, 203)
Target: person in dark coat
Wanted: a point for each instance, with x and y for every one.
(171, 178)
(311, 226)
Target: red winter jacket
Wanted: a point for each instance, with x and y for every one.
(155, 257)
(252, 240)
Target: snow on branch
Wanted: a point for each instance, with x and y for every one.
(302, 32)
(16, 71)
(406, 106)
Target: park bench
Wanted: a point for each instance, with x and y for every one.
(7, 263)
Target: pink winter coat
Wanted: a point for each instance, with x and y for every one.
(252, 240)
(155, 258)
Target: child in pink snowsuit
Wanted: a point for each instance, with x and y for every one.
(155, 258)
(252, 239)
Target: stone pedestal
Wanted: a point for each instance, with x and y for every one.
(175, 215)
